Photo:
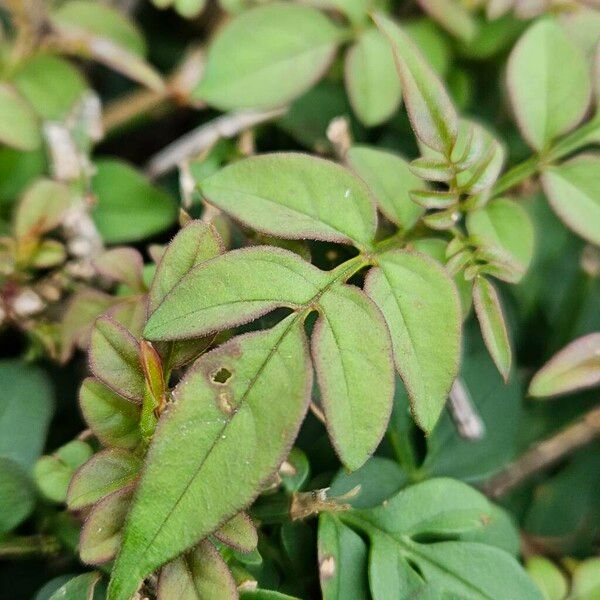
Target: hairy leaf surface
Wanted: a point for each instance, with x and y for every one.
(295, 196)
(421, 306)
(352, 354)
(215, 446)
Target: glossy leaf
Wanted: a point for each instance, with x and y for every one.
(102, 530)
(549, 83)
(79, 588)
(371, 81)
(115, 359)
(129, 207)
(18, 124)
(112, 418)
(194, 244)
(429, 107)
(255, 413)
(491, 320)
(573, 191)
(505, 227)
(352, 355)
(390, 180)
(279, 38)
(421, 306)
(105, 473)
(577, 366)
(219, 293)
(201, 574)
(295, 196)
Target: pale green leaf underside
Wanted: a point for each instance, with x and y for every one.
(232, 289)
(215, 446)
(352, 356)
(575, 367)
(390, 179)
(421, 306)
(548, 81)
(295, 196)
(286, 48)
(573, 190)
(371, 80)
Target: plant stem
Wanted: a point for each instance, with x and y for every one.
(545, 454)
(28, 546)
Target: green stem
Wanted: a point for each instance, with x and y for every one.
(516, 175)
(403, 450)
(19, 547)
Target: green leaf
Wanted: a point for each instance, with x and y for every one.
(505, 227)
(575, 367)
(17, 495)
(352, 356)
(491, 320)
(100, 20)
(390, 180)
(42, 208)
(296, 476)
(113, 419)
(26, 407)
(115, 359)
(421, 306)
(548, 577)
(295, 196)
(432, 115)
(276, 40)
(549, 83)
(416, 539)
(239, 533)
(586, 579)
(103, 528)
(19, 127)
(78, 588)
(53, 473)
(342, 561)
(194, 244)
(201, 574)
(105, 473)
(219, 293)
(36, 81)
(124, 265)
(371, 80)
(573, 191)
(129, 207)
(254, 414)
(452, 16)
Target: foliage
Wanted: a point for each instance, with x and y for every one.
(317, 362)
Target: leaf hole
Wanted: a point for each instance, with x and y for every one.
(221, 376)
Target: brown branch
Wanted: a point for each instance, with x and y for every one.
(545, 454)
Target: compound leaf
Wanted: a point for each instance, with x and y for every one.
(237, 411)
